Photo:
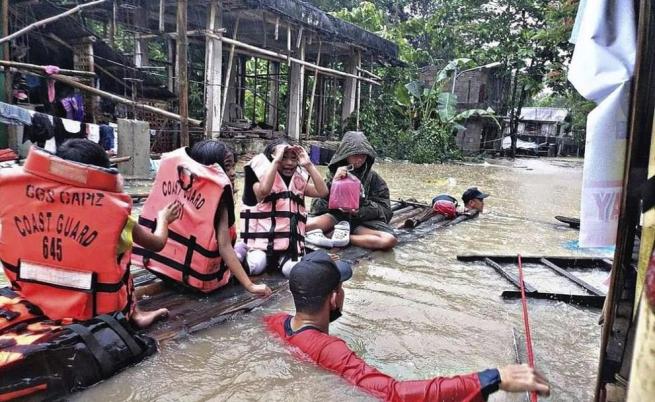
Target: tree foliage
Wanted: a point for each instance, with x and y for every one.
(529, 38)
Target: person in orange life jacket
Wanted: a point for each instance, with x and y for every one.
(90, 153)
(209, 152)
(273, 205)
(316, 284)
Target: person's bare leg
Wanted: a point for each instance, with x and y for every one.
(324, 222)
(143, 319)
(372, 239)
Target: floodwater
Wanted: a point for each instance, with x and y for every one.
(415, 312)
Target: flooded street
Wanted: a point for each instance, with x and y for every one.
(415, 312)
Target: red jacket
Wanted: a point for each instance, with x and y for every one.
(333, 354)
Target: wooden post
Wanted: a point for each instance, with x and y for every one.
(182, 79)
(359, 96)
(112, 24)
(162, 15)
(5, 49)
(213, 73)
(311, 99)
(272, 117)
(170, 69)
(140, 43)
(350, 87)
(294, 111)
(228, 73)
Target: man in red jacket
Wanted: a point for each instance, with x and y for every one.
(316, 286)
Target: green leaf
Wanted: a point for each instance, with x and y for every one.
(446, 106)
(414, 88)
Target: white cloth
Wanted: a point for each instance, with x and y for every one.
(72, 126)
(93, 133)
(601, 69)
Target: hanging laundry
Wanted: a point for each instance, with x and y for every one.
(51, 83)
(65, 129)
(74, 107)
(14, 115)
(41, 130)
(106, 137)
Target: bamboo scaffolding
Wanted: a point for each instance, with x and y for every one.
(228, 73)
(48, 20)
(284, 57)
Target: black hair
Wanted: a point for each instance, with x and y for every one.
(270, 148)
(209, 152)
(83, 151)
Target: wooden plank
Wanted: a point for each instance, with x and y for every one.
(582, 300)
(509, 276)
(562, 261)
(572, 277)
(192, 311)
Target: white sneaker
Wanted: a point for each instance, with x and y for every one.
(341, 234)
(317, 238)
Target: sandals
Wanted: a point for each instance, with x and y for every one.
(341, 234)
(317, 238)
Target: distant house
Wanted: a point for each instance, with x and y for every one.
(476, 89)
(547, 127)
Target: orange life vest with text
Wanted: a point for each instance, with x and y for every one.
(277, 223)
(191, 255)
(61, 222)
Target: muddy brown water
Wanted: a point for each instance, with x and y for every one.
(415, 312)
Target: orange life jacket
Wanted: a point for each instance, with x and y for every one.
(53, 358)
(191, 255)
(61, 224)
(276, 223)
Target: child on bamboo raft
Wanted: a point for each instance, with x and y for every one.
(200, 252)
(273, 215)
(367, 227)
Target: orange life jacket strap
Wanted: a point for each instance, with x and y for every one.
(187, 241)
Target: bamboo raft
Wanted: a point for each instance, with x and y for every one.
(192, 311)
(408, 215)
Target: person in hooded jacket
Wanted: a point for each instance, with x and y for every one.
(367, 227)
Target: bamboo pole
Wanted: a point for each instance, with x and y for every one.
(48, 20)
(285, 57)
(182, 77)
(116, 98)
(311, 99)
(228, 74)
(62, 71)
(361, 70)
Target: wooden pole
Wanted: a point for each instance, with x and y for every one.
(62, 71)
(5, 49)
(182, 78)
(228, 74)
(311, 99)
(162, 15)
(111, 36)
(213, 71)
(48, 20)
